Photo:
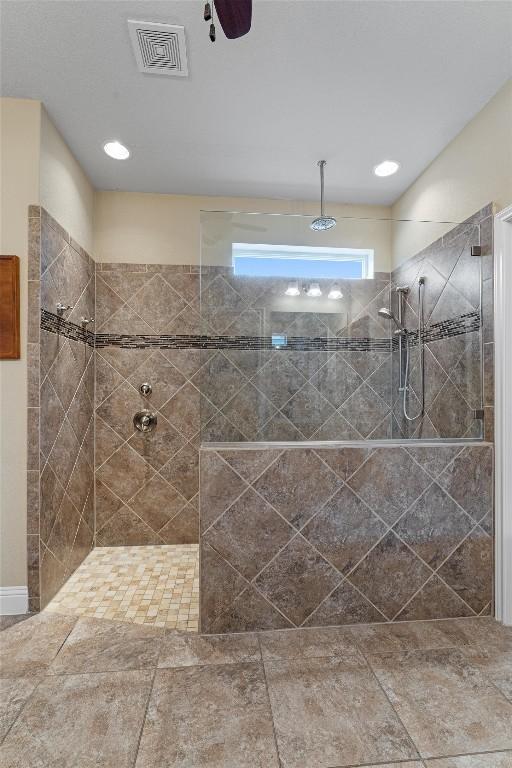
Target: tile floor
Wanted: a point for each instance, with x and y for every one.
(79, 692)
(157, 585)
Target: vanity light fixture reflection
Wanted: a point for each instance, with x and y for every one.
(313, 290)
(335, 292)
(293, 289)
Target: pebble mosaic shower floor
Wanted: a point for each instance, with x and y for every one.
(157, 585)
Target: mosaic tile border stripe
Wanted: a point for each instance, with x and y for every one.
(56, 324)
(452, 327)
(298, 343)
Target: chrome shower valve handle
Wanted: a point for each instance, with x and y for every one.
(145, 421)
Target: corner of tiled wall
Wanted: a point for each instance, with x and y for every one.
(60, 413)
(33, 405)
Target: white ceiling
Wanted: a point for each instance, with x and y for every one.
(351, 82)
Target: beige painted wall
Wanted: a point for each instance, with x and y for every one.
(66, 192)
(36, 167)
(20, 122)
(165, 229)
(473, 170)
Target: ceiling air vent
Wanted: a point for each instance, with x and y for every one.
(160, 49)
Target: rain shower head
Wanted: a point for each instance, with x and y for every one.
(387, 313)
(322, 222)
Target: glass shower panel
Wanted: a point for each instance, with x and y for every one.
(291, 319)
(444, 386)
(294, 345)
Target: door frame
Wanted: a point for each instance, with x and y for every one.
(503, 413)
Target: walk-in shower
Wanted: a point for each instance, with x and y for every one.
(281, 451)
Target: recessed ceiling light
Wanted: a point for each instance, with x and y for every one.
(116, 150)
(386, 168)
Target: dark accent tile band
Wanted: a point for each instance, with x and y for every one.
(299, 343)
(56, 324)
(452, 327)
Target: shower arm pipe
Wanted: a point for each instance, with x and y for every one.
(321, 164)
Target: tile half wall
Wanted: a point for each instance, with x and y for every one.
(300, 537)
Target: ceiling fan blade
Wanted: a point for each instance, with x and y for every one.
(234, 16)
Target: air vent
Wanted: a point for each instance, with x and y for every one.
(160, 49)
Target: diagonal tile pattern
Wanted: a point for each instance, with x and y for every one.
(434, 525)
(390, 574)
(342, 536)
(249, 534)
(297, 580)
(153, 476)
(63, 529)
(344, 530)
(389, 482)
(245, 395)
(307, 388)
(452, 365)
(288, 485)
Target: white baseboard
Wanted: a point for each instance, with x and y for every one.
(13, 601)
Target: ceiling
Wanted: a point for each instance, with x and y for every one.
(351, 82)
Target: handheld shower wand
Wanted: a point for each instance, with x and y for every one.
(402, 332)
(388, 314)
(421, 286)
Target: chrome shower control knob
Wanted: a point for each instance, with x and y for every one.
(145, 389)
(145, 421)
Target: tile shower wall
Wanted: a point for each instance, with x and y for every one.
(302, 537)
(146, 484)
(61, 395)
(456, 284)
(332, 379)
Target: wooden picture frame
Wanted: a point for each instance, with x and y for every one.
(9, 308)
